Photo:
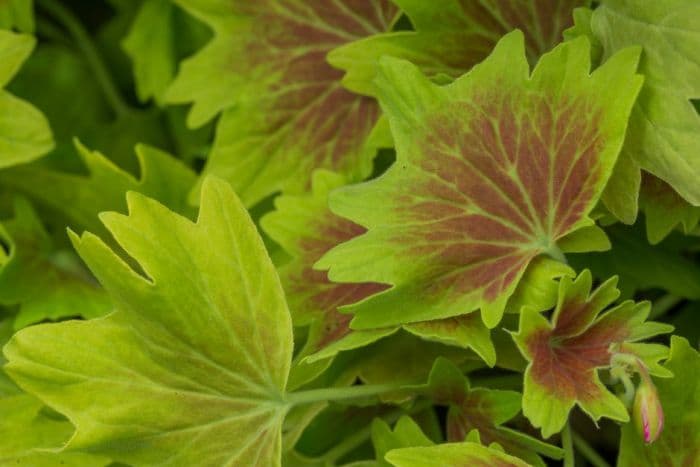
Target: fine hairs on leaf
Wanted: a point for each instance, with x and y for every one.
(349, 233)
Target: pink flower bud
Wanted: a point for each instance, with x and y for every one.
(648, 413)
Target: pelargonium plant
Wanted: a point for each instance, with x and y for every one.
(316, 233)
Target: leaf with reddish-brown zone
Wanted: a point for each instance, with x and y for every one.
(306, 228)
(484, 410)
(453, 455)
(664, 209)
(452, 36)
(286, 111)
(566, 352)
(495, 169)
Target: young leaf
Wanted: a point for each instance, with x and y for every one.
(679, 443)
(24, 132)
(664, 132)
(566, 352)
(191, 368)
(454, 35)
(288, 110)
(81, 197)
(484, 411)
(405, 434)
(453, 455)
(45, 282)
(492, 171)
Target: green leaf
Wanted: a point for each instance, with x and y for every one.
(454, 35)
(664, 130)
(463, 209)
(287, 110)
(24, 132)
(664, 209)
(484, 411)
(641, 266)
(566, 352)
(453, 455)
(196, 355)
(150, 45)
(81, 197)
(47, 283)
(679, 443)
(406, 433)
(18, 14)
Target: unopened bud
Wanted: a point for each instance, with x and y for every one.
(647, 412)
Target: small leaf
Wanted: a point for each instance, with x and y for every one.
(82, 197)
(189, 361)
(453, 455)
(24, 131)
(483, 411)
(47, 283)
(406, 433)
(679, 443)
(478, 189)
(566, 352)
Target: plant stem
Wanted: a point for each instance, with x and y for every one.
(337, 394)
(587, 451)
(568, 446)
(555, 253)
(83, 41)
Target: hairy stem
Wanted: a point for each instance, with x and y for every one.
(587, 451)
(568, 446)
(83, 41)
(338, 394)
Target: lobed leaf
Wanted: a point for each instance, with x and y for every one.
(453, 455)
(196, 355)
(492, 171)
(566, 352)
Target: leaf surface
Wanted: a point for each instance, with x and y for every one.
(566, 352)
(453, 455)
(287, 110)
(196, 355)
(24, 131)
(664, 130)
(454, 35)
(491, 172)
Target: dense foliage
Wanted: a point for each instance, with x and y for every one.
(350, 232)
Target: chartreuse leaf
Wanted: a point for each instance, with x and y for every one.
(679, 443)
(24, 132)
(81, 197)
(288, 110)
(17, 14)
(664, 130)
(46, 282)
(566, 352)
(454, 35)
(453, 455)
(491, 172)
(191, 368)
(484, 411)
(150, 45)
